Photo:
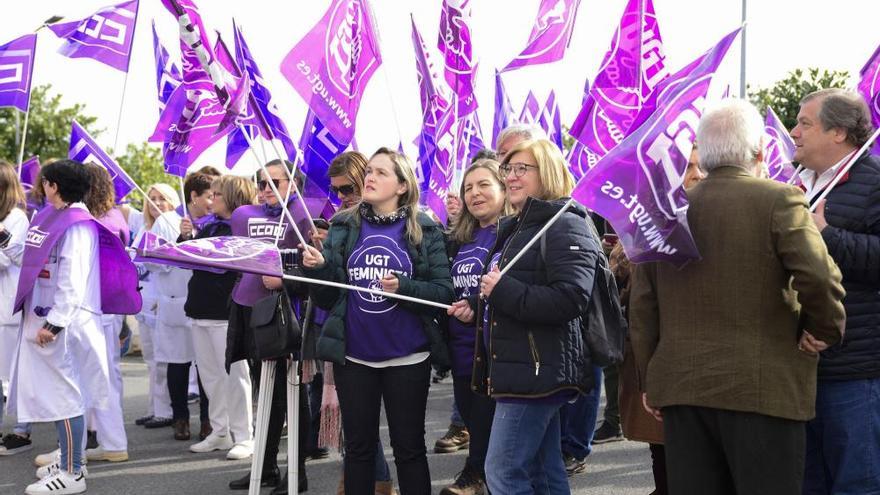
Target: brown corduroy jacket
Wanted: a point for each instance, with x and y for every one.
(723, 332)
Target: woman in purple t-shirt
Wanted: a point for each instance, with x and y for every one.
(470, 241)
(382, 346)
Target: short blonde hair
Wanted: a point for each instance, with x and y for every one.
(167, 192)
(236, 191)
(556, 181)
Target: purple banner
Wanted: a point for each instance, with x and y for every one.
(16, 69)
(632, 68)
(214, 254)
(331, 66)
(549, 120)
(30, 170)
(869, 87)
(84, 149)
(550, 35)
(778, 148)
(454, 42)
(531, 110)
(168, 76)
(504, 115)
(443, 166)
(105, 36)
(319, 148)
(638, 185)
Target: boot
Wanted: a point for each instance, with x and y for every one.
(270, 478)
(181, 429)
(205, 430)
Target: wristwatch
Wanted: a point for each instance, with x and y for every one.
(52, 328)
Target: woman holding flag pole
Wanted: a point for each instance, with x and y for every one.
(382, 350)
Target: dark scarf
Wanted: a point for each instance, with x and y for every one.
(369, 215)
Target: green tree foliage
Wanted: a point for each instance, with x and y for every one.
(785, 95)
(143, 163)
(48, 132)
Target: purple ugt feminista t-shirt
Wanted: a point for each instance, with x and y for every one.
(377, 328)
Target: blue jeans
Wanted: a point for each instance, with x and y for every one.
(579, 420)
(843, 440)
(524, 451)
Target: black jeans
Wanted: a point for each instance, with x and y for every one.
(404, 390)
(178, 389)
(278, 412)
(714, 451)
(477, 412)
(612, 404)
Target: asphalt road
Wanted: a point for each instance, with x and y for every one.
(161, 465)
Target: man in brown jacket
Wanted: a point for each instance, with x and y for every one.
(726, 347)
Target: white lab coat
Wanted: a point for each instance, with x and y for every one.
(172, 339)
(16, 223)
(65, 377)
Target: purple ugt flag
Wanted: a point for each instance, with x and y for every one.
(30, 170)
(261, 94)
(530, 110)
(638, 185)
(319, 148)
(630, 71)
(16, 68)
(105, 36)
(504, 115)
(331, 66)
(778, 148)
(869, 87)
(549, 120)
(168, 76)
(454, 42)
(84, 149)
(550, 35)
(444, 159)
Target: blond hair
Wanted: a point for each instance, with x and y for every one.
(462, 230)
(11, 192)
(167, 192)
(556, 181)
(236, 191)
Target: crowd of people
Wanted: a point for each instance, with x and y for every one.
(755, 369)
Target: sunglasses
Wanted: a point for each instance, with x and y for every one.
(262, 184)
(343, 190)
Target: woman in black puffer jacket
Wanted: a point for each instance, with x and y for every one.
(530, 354)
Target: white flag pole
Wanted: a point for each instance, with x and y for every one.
(845, 169)
(375, 292)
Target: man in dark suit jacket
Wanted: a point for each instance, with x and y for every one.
(726, 347)
(843, 440)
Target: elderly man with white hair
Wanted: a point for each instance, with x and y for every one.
(726, 348)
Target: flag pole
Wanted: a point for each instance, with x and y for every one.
(374, 292)
(125, 81)
(845, 169)
(742, 62)
(378, 49)
(23, 136)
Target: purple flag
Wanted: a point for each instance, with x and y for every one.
(261, 94)
(84, 149)
(319, 148)
(443, 167)
(869, 87)
(214, 254)
(550, 35)
(105, 36)
(30, 169)
(454, 42)
(331, 66)
(531, 110)
(434, 100)
(778, 148)
(580, 160)
(16, 68)
(549, 120)
(168, 76)
(631, 70)
(504, 115)
(638, 185)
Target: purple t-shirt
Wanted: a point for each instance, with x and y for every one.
(466, 270)
(377, 328)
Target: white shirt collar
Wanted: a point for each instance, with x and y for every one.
(814, 185)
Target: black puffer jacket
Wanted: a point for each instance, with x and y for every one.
(535, 344)
(852, 211)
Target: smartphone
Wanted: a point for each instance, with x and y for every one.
(610, 239)
(321, 223)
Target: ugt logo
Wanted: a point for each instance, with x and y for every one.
(344, 46)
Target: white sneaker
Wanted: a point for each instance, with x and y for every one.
(44, 471)
(99, 454)
(47, 458)
(241, 450)
(58, 483)
(211, 443)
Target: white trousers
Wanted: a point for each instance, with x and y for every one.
(109, 422)
(229, 395)
(160, 400)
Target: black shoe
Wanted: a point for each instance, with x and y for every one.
(303, 485)
(91, 439)
(158, 423)
(271, 479)
(13, 444)
(143, 420)
(607, 433)
(319, 453)
(573, 465)
(468, 482)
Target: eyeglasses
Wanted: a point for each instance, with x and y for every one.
(264, 183)
(343, 190)
(518, 169)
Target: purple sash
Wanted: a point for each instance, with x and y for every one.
(119, 280)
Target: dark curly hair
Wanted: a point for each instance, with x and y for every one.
(70, 177)
(101, 197)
